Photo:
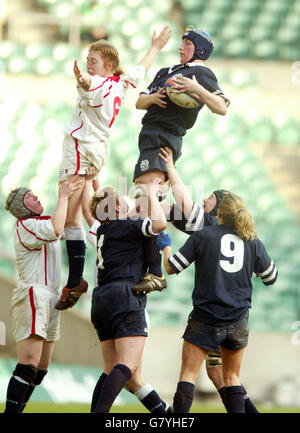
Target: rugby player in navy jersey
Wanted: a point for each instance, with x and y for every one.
(189, 217)
(117, 313)
(165, 123)
(225, 256)
(136, 385)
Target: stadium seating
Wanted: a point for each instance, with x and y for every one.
(216, 153)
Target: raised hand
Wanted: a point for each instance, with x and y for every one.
(83, 78)
(162, 39)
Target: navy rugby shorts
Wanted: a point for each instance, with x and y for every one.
(117, 312)
(151, 139)
(233, 336)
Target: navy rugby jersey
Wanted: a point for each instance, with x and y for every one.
(120, 254)
(197, 219)
(224, 265)
(174, 118)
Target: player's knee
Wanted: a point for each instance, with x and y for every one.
(39, 376)
(26, 372)
(230, 378)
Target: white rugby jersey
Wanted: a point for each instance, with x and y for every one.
(97, 108)
(38, 253)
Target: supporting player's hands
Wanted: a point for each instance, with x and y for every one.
(91, 173)
(186, 85)
(70, 185)
(159, 98)
(166, 154)
(163, 240)
(162, 39)
(83, 78)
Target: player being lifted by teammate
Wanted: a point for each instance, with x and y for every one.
(165, 123)
(100, 93)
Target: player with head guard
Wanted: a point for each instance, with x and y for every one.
(225, 257)
(118, 314)
(189, 217)
(165, 123)
(36, 321)
(101, 91)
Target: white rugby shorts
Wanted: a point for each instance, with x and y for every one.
(33, 312)
(78, 156)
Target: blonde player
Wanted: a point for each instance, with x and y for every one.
(36, 321)
(101, 91)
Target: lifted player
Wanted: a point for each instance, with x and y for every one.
(101, 91)
(165, 123)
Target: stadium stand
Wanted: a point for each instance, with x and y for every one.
(218, 152)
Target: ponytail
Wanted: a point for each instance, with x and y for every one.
(233, 212)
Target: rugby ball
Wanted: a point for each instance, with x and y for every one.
(184, 100)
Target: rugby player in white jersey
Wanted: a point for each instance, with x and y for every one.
(35, 320)
(101, 91)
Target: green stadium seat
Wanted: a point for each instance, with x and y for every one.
(266, 50)
(239, 48)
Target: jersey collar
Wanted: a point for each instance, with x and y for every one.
(189, 64)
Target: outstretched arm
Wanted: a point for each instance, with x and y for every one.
(158, 42)
(181, 195)
(156, 212)
(65, 190)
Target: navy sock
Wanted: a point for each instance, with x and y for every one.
(152, 256)
(112, 386)
(97, 391)
(183, 397)
(36, 381)
(151, 400)
(15, 396)
(249, 405)
(222, 393)
(234, 397)
(76, 256)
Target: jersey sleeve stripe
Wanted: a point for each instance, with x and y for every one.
(179, 262)
(196, 219)
(29, 249)
(175, 265)
(272, 277)
(182, 258)
(40, 239)
(147, 227)
(267, 271)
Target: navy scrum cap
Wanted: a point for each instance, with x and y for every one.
(219, 193)
(202, 41)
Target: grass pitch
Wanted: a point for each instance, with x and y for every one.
(134, 408)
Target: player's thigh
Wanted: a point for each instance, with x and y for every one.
(29, 351)
(109, 355)
(130, 351)
(192, 358)
(231, 365)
